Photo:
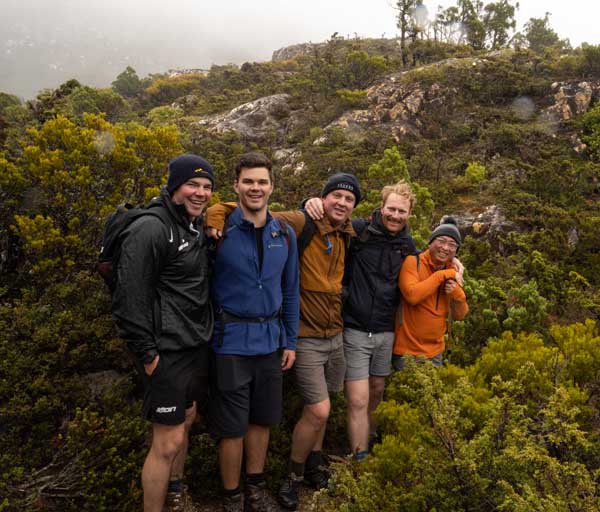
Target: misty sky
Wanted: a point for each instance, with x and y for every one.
(45, 42)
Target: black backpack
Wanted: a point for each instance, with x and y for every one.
(112, 238)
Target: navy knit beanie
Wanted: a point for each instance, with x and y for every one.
(186, 167)
(447, 227)
(344, 181)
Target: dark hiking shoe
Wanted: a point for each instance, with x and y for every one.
(179, 501)
(374, 438)
(233, 503)
(288, 491)
(258, 499)
(316, 473)
(317, 477)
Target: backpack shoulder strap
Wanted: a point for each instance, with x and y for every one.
(165, 217)
(308, 231)
(399, 309)
(217, 245)
(284, 230)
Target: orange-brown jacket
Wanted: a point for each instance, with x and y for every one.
(321, 269)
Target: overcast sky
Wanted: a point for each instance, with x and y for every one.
(45, 42)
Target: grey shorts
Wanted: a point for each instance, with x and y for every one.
(367, 354)
(320, 367)
(399, 362)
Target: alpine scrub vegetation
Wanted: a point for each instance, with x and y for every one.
(517, 430)
(511, 424)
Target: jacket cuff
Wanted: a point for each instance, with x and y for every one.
(148, 356)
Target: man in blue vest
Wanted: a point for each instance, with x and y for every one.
(256, 300)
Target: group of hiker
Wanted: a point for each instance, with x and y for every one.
(217, 303)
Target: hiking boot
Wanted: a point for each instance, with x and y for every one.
(258, 499)
(317, 477)
(233, 503)
(288, 491)
(178, 501)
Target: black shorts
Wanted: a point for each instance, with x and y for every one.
(179, 380)
(244, 390)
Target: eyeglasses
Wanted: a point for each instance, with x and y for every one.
(450, 244)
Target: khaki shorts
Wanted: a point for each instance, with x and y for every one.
(367, 354)
(320, 367)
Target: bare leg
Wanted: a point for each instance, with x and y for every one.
(357, 395)
(376, 389)
(179, 462)
(167, 442)
(256, 444)
(231, 450)
(310, 430)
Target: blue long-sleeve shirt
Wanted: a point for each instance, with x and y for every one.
(243, 288)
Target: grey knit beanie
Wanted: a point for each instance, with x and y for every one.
(447, 227)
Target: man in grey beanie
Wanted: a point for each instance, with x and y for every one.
(431, 286)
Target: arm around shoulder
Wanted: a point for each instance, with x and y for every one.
(216, 215)
(295, 219)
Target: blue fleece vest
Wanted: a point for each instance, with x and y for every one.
(242, 289)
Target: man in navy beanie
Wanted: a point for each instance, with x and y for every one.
(161, 305)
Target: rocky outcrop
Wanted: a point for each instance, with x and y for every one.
(379, 46)
(397, 105)
(289, 160)
(295, 50)
(487, 223)
(571, 99)
(172, 73)
(255, 120)
(393, 105)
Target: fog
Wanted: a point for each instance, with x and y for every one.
(45, 42)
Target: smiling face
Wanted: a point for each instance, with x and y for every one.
(442, 250)
(338, 205)
(395, 213)
(194, 194)
(254, 188)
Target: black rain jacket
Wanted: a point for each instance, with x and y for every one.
(162, 298)
(371, 279)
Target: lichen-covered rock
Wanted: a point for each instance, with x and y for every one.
(393, 105)
(295, 50)
(572, 98)
(487, 223)
(289, 161)
(255, 120)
